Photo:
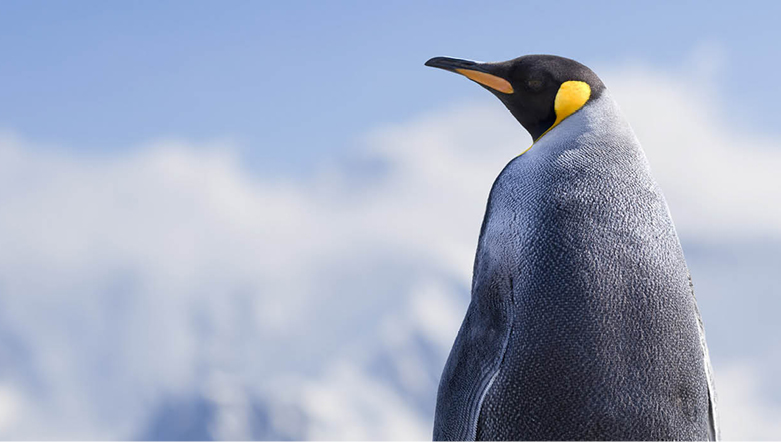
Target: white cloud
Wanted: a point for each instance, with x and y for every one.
(10, 407)
(346, 404)
(745, 411)
(172, 269)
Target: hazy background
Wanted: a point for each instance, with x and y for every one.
(249, 220)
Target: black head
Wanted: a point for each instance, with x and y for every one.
(539, 90)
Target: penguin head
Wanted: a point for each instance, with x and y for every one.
(539, 90)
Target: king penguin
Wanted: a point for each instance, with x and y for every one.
(582, 323)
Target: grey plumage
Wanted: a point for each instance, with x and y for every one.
(583, 322)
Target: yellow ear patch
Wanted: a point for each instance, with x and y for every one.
(572, 95)
(492, 81)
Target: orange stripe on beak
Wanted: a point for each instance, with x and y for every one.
(492, 81)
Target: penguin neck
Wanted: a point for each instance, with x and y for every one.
(536, 128)
(598, 115)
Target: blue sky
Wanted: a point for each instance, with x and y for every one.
(257, 219)
(294, 82)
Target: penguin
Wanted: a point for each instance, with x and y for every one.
(582, 323)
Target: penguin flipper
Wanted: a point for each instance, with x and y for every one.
(714, 432)
(713, 424)
(472, 365)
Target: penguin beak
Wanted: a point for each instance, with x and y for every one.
(483, 73)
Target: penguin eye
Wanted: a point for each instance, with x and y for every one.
(534, 85)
